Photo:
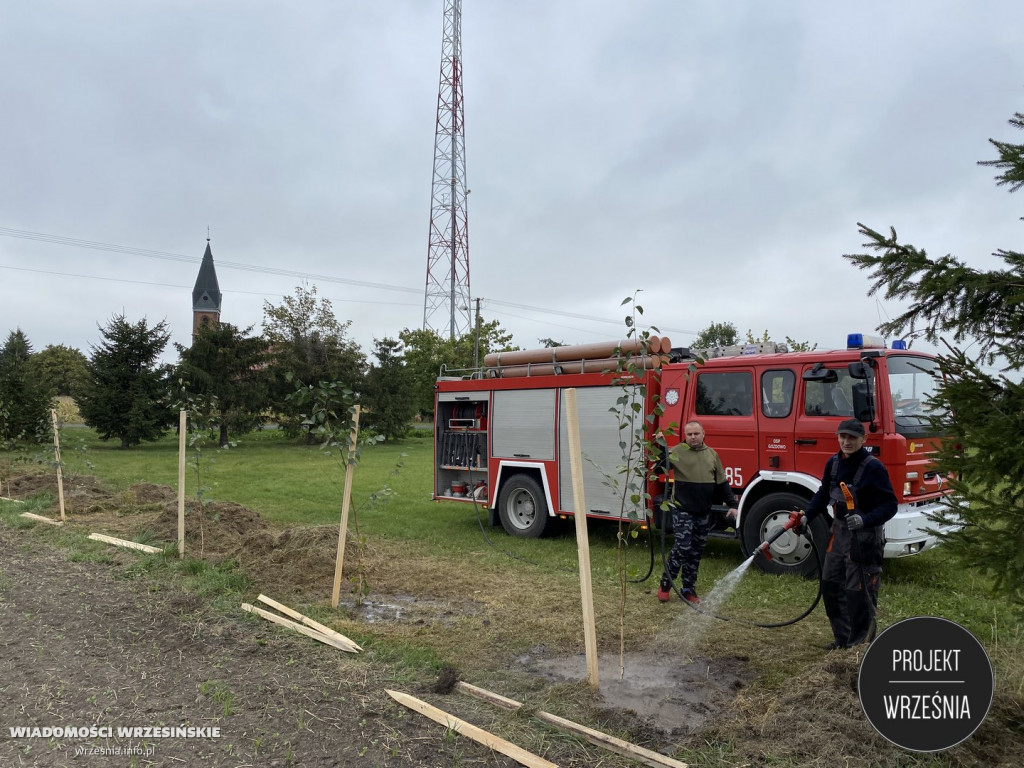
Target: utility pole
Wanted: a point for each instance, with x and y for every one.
(446, 302)
(476, 343)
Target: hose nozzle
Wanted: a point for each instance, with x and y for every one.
(796, 517)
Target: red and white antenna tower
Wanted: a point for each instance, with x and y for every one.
(447, 304)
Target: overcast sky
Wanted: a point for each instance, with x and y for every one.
(716, 155)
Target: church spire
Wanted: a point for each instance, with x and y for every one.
(206, 296)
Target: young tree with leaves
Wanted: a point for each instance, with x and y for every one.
(953, 303)
(224, 368)
(306, 341)
(127, 395)
(24, 398)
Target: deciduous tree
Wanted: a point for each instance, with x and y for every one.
(63, 369)
(306, 341)
(716, 335)
(426, 352)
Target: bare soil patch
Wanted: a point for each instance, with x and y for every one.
(672, 695)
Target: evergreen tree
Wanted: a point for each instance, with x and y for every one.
(955, 303)
(24, 400)
(307, 345)
(388, 399)
(223, 370)
(127, 394)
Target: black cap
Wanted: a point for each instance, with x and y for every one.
(851, 427)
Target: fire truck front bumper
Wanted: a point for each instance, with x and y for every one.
(915, 528)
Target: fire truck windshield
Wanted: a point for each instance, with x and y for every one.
(912, 382)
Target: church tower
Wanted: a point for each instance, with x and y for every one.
(206, 295)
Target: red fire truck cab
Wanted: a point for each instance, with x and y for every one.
(501, 440)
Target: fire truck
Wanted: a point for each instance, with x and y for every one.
(501, 440)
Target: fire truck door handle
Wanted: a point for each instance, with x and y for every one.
(805, 441)
(521, 455)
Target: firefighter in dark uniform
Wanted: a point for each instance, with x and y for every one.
(700, 482)
(856, 486)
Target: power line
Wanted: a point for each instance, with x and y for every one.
(179, 257)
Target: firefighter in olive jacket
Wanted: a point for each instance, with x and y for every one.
(700, 482)
(856, 486)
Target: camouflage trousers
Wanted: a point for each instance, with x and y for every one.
(691, 536)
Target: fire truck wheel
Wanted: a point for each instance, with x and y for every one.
(791, 553)
(522, 508)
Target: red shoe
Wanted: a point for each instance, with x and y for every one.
(690, 596)
(665, 590)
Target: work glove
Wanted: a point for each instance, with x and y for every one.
(801, 527)
(854, 522)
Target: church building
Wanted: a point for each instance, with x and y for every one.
(206, 296)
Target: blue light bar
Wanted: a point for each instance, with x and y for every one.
(899, 344)
(864, 341)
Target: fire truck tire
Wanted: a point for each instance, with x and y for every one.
(522, 508)
(791, 554)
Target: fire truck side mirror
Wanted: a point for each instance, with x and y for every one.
(858, 370)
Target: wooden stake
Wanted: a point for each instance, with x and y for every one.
(56, 456)
(346, 499)
(479, 735)
(298, 628)
(182, 429)
(125, 543)
(611, 743)
(579, 501)
(308, 621)
(41, 519)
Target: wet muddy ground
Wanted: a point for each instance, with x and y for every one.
(673, 694)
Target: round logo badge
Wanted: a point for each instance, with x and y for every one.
(926, 684)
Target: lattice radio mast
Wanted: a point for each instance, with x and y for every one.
(446, 305)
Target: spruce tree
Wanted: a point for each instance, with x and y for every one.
(224, 369)
(127, 394)
(976, 315)
(388, 397)
(24, 398)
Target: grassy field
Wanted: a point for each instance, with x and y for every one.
(440, 552)
(290, 484)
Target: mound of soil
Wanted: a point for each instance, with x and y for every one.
(217, 530)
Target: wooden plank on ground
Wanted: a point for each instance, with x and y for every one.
(40, 518)
(469, 730)
(611, 743)
(15, 501)
(298, 628)
(308, 621)
(125, 543)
